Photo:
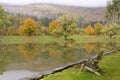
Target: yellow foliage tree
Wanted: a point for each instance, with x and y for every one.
(54, 28)
(97, 28)
(89, 30)
(28, 28)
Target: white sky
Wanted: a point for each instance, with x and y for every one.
(88, 3)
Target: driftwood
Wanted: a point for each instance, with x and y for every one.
(59, 69)
(92, 64)
(84, 64)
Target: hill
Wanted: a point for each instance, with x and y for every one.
(43, 10)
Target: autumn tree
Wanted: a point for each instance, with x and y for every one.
(97, 28)
(113, 11)
(54, 28)
(28, 28)
(89, 30)
(111, 30)
(68, 24)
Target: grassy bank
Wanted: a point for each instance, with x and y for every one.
(26, 39)
(110, 65)
(51, 39)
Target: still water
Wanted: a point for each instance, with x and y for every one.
(21, 60)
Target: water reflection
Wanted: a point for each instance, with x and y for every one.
(41, 57)
(89, 47)
(28, 51)
(15, 74)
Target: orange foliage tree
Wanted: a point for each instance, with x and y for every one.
(89, 30)
(28, 28)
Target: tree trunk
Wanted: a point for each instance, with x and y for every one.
(110, 36)
(65, 37)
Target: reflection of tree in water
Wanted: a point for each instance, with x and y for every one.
(98, 47)
(46, 54)
(3, 61)
(110, 46)
(52, 54)
(105, 46)
(59, 53)
(67, 51)
(89, 47)
(72, 51)
(54, 50)
(68, 55)
(28, 51)
(5, 57)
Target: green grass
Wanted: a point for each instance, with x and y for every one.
(51, 39)
(26, 39)
(110, 65)
(100, 38)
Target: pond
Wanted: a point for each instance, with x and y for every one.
(21, 60)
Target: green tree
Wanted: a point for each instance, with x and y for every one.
(113, 11)
(28, 28)
(111, 30)
(4, 21)
(44, 21)
(97, 28)
(43, 30)
(12, 31)
(15, 20)
(68, 24)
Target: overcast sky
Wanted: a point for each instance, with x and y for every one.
(88, 3)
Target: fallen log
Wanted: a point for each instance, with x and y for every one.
(92, 70)
(92, 64)
(59, 69)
